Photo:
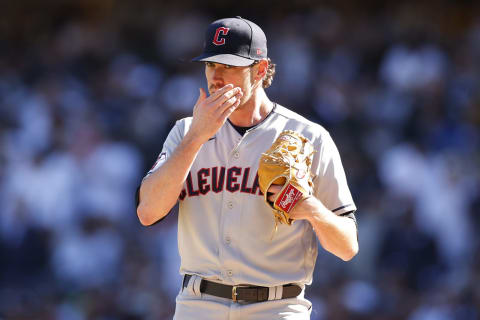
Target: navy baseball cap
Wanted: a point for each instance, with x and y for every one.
(234, 41)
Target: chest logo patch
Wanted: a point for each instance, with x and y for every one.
(220, 179)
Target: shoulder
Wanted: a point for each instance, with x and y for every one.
(294, 121)
(183, 124)
(184, 121)
(179, 129)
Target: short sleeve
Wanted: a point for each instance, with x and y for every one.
(330, 182)
(173, 140)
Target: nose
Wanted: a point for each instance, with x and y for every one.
(217, 77)
(217, 74)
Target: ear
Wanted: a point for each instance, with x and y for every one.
(262, 68)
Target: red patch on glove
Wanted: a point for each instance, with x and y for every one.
(288, 198)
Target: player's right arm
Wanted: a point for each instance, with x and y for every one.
(160, 190)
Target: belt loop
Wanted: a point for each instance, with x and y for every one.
(275, 293)
(195, 287)
(271, 293)
(278, 292)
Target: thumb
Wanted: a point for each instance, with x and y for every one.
(202, 96)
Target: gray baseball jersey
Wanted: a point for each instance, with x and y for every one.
(225, 229)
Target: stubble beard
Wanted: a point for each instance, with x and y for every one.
(247, 95)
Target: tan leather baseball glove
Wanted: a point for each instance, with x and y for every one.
(288, 163)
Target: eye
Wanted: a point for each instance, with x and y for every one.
(228, 66)
(209, 64)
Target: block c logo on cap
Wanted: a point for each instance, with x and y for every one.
(216, 39)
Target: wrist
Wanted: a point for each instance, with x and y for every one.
(194, 141)
(317, 211)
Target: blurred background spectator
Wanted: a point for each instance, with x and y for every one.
(89, 90)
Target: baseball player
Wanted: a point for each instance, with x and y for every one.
(234, 267)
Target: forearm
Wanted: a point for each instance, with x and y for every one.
(159, 191)
(337, 237)
(336, 234)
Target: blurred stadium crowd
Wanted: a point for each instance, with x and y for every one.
(89, 90)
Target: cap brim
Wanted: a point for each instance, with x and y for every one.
(229, 59)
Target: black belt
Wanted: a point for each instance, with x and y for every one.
(242, 292)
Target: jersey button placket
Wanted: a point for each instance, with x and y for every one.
(230, 206)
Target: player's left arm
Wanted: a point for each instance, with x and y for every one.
(337, 234)
(328, 206)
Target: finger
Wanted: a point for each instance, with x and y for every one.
(221, 91)
(202, 96)
(229, 110)
(274, 188)
(228, 95)
(273, 191)
(271, 197)
(228, 103)
(231, 102)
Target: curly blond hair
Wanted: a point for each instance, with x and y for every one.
(267, 80)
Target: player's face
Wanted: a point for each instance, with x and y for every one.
(219, 75)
